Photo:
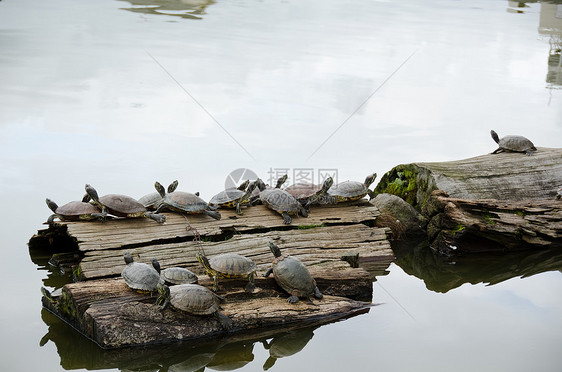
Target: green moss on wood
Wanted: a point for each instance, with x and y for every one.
(306, 227)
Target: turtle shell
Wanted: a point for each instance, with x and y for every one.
(348, 190)
(516, 144)
(151, 201)
(76, 211)
(193, 299)
(291, 275)
(185, 202)
(122, 205)
(178, 275)
(280, 201)
(303, 190)
(140, 276)
(232, 265)
(227, 198)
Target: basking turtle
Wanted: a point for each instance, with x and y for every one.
(184, 202)
(233, 197)
(255, 199)
(120, 206)
(72, 211)
(291, 275)
(513, 144)
(152, 200)
(140, 276)
(349, 191)
(193, 299)
(228, 265)
(281, 201)
(178, 275)
(308, 193)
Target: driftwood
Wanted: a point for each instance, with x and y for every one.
(105, 310)
(500, 202)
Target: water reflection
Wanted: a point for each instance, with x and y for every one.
(550, 24)
(441, 274)
(77, 352)
(191, 9)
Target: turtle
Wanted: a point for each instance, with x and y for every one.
(233, 197)
(193, 299)
(120, 206)
(178, 275)
(228, 265)
(286, 344)
(308, 193)
(184, 202)
(152, 200)
(255, 199)
(513, 144)
(72, 211)
(141, 277)
(291, 275)
(281, 201)
(349, 191)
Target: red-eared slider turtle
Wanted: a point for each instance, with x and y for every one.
(140, 276)
(308, 193)
(72, 211)
(291, 275)
(281, 201)
(513, 144)
(193, 299)
(184, 202)
(233, 197)
(152, 201)
(178, 275)
(228, 265)
(349, 191)
(121, 206)
(255, 199)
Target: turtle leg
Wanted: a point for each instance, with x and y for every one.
(225, 321)
(215, 283)
(303, 211)
(497, 151)
(293, 299)
(286, 218)
(317, 293)
(160, 218)
(216, 215)
(268, 272)
(529, 152)
(371, 194)
(238, 208)
(51, 219)
(251, 285)
(102, 216)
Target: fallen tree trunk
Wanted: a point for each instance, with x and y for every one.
(499, 202)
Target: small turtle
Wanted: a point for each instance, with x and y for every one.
(72, 211)
(140, 276)
(152, 200)
(193, 299)
(281, 201)
(233, 197)
(256, 194)
(228, 265)
(513, 144)
(178, 275)
(349, 191)
(291, 275)
(184, 202)
(308, 193)
(120, 206)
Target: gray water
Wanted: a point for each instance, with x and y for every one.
(119, 94)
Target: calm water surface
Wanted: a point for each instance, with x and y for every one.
(122, 93)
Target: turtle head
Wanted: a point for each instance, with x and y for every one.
(51, 204)
(495, 136)
(156, 265)
(328, 182)
(370, 179)
(260, 185)
(173, 186)
(274, 249)
(203, 260)
(158, 186)
(92, 193)
(128, 258)
(243, 185)
(281, 181)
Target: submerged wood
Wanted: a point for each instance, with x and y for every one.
(491, 202)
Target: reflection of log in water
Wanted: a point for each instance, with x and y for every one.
(442, 274)
(192, 9)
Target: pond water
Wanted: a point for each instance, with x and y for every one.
(119, 94)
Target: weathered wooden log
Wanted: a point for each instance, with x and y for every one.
(494, 202)
(112, 315)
